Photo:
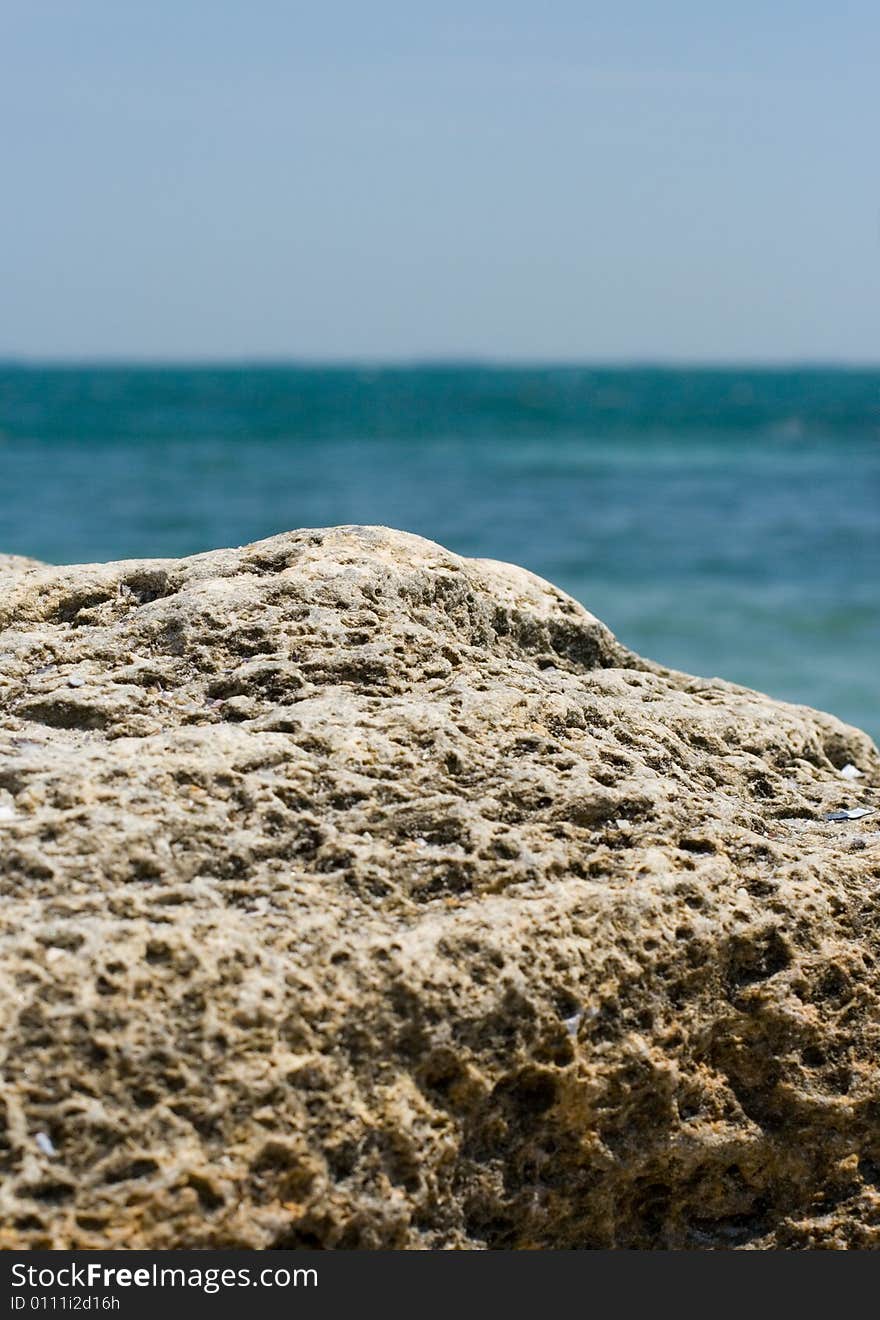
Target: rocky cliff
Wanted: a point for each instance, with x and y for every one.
(358, 895)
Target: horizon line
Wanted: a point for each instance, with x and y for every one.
(429, 362)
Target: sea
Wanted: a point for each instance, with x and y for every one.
(722, 521)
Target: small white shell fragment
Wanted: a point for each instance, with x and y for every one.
(850, 771)
(44, 1141)
(856, 813)
(75, 681)
(572, 1023)
(7, 813)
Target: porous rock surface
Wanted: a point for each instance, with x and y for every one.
(358, 895)
(17, 564)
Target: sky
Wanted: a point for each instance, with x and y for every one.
(493, 179)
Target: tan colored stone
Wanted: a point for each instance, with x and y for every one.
(18, 564)
(358, 895)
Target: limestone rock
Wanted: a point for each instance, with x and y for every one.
(358, 895)
(18, 564)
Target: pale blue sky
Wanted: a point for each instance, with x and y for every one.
(489, 178)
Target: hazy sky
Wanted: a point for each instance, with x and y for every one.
(383, 178)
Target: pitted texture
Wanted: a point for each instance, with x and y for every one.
(358, 895)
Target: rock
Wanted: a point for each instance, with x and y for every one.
(358, 895)
(18, 564)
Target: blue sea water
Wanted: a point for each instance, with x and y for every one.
(721, 521)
